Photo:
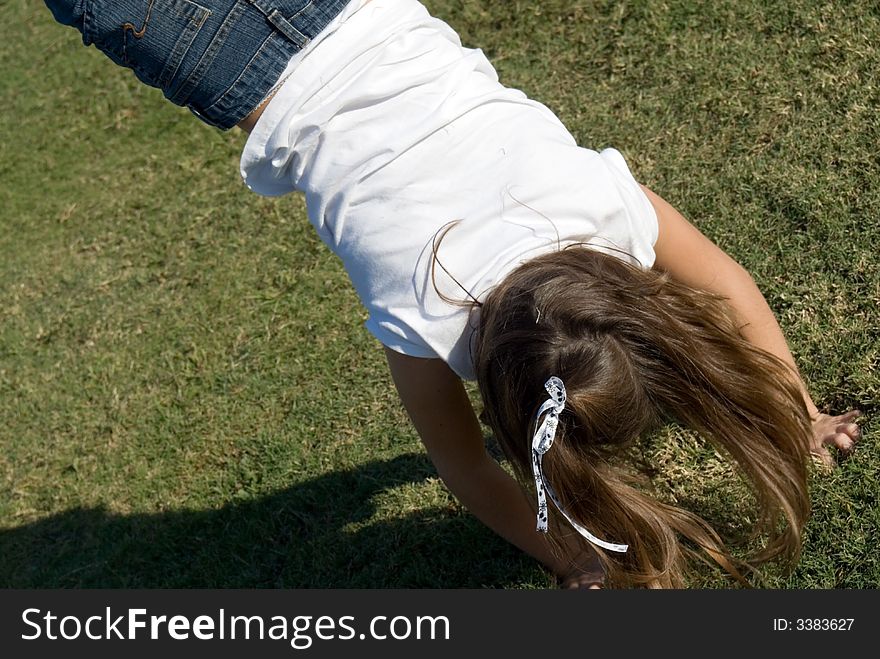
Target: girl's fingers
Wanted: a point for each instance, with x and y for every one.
(850, 416)
(842, 441)
(583, 581)
(838, 431)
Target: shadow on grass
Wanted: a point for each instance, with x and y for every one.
(315, 534)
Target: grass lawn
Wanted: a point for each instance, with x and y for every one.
(188, 396)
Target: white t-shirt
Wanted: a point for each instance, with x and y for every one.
(393, 130)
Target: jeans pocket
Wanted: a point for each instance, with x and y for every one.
(151, 37)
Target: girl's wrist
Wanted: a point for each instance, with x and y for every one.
(812, 410)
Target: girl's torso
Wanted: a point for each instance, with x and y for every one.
(393, 130)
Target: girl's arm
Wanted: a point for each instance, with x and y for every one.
(440, 409)
(691, 258)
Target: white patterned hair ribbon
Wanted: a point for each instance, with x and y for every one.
(541, 443)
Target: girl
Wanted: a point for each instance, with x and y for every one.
(487, 245)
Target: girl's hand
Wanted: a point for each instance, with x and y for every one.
(577, 581)
(839, 431)
(586, 573)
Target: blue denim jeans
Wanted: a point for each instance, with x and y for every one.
(219, 58)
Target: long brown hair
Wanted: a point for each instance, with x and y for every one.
(636, 349)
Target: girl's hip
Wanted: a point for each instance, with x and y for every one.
(219, 58)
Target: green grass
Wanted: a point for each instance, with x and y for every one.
(187, 394)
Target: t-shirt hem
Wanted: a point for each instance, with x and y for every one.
(398, 344)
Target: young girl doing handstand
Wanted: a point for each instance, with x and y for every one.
(485, 244)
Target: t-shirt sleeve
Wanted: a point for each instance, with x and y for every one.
(644, 227)
(400, 338)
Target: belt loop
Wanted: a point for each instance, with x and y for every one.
(276, 18)
(286, 28)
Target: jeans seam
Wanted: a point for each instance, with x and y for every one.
(308, 4)
(186, 88)
(181, 47)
